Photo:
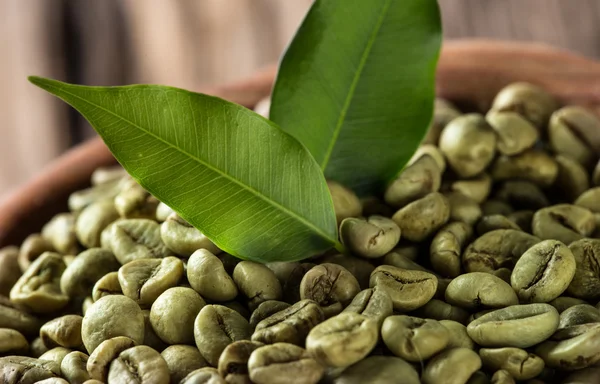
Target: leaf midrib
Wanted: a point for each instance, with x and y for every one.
(353, 85)
(222, 173)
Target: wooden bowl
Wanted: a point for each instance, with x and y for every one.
(470, 73)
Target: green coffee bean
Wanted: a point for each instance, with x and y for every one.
(143, 280)
(577, 352)
(446, 248)
(477, 187)
(342, 340)
(233, 363)
(329, 285)
(183, 238)
(372, 303)
(86, 269)
(10, 271)
(515, 133)
(521, 364)
(493, 222)
(563, 222)
(32, 248)
(208, 277)
(453, 366)
(408, 290)
(414, 182)
(173, 313)
(479, 290)
(369, 238)
(132, 239)
(21, 369)
(586, 281)
(459, 338)
(574, 131)
(276, 363)
(112, 316)
(99, 361)
(92, 220)
(421, 218)
(107, 285)
(414, 339)
(39, 287)
(345, 202)
(12, 342)
(133, 201)
(64, 331)
(73, 367)
(216, 327)
(149, 365)
(543, 272)
(182, 360)
(533, 165)
(60, 232)
(266, 309)
(520, 326)
(379, 370)
(257, 283)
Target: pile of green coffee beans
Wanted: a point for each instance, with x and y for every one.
(479, 264)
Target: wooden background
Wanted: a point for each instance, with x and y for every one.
(190, 43)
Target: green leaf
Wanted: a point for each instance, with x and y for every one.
(254, 190)
(357, 84)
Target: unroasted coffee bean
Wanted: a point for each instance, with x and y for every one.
(453, 366)
(206, 375)
(408, 290)
(182, 360)
(329, 285)
(414, 182)
(283, 363)
(515, 133)
(37, 347)
(133, 201)
(493, 222)
(399, 260)
(584, 376)
(107, 285)
(92, 220)
(446, 248)
(291, 325)
(522, 194)
(577, 352)
(459, 338)
(521, 364)
(58, 380)
(86, 269)
(520, 326)
(590, 199)
(99, 361)
(529, 100)
(56, 354)
(497, 249)
(358, 267)
(477, 188)
(60, 231)
(429, 150)
(469, 144)
(421, 218)
(439, 310)
(216, 327)
(532, 165)
(64, 331)
(575, 132)
(563, 222)
(10, 271)
(343, 339)
(414, 339)
(132, 239)
(266, 309)
(183, 238)
(39, 287)
(144, 280)
(233, 363)
(572, 179)
(463, 208)
(208, 277)
(369, 238)
(379, 370)
(27, 370)
(257, 283)
(103, 175)
(32, 248)
(502, 377)
(586, 281)
(12, 342)
(239, 308)
(73, 367)
(78, 200)
(372, 303)
(345, 202)
(478, 378)
(173, 313)
(140, 364)
(579, 314)
(112, 316)
(564, 302)
(543, 272)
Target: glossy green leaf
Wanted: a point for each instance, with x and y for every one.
(357, 84)
(251, 188)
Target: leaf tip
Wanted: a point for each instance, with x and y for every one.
(43, 82)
